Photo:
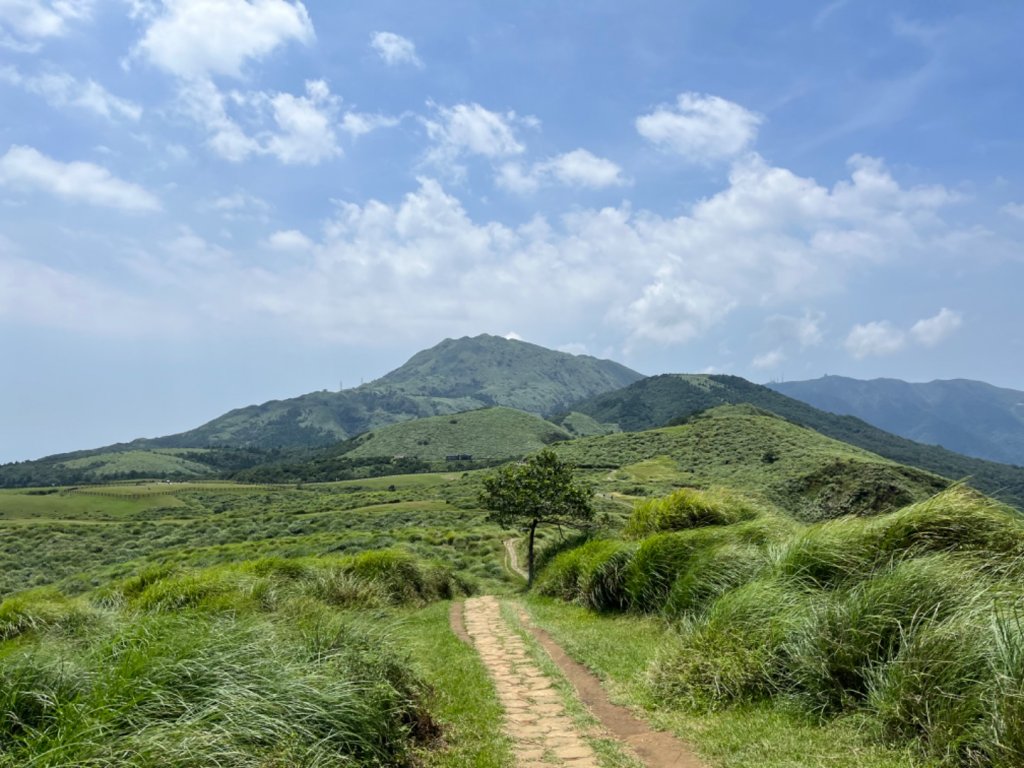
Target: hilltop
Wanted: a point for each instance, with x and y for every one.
(454, 376)
(969, 417)
(660, 400)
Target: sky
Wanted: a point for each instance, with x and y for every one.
(211, 203)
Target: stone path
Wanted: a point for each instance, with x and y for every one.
(542, 732)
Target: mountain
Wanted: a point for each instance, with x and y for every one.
(456, 375)
(452, 377)
(969, 417)
(660, 400)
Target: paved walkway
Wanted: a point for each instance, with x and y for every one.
(542, 732)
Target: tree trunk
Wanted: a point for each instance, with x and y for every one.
(529, 556)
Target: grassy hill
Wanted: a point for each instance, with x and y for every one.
(490, 433)
(660, 400)
(802, 473)
(454, 376)
(969, 417)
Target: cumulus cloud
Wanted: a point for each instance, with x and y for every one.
(26, 167)
(578, 168)
(933, 330)
(238, 206)
(358, 124)
(24, 23)
(197, 38)
(303, 127)
(422, 265)
(700, 128)
(395, 49)
(60, 89)
(470, 129)
(883, 338)
(875, 338)
(289, 240)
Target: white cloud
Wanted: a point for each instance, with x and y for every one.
(933, 330)
(395, 49)
(1016, 210)
(197, 38)
(578, 168)
(303, 126)
(470, 129)
(422, 266)
(875, 338)
(60, 89)
(289, 240)
(513, 336)
(26, 167)
(769, 359)
(883, 338)
(358, 124)
(700, 128)
(23, 23)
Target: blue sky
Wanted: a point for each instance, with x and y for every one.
(210, 203)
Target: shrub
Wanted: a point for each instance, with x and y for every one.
(592, 574)
(733, 652)
(688, 508)
(865, 626)
(710, 573)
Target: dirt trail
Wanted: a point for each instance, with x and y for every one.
(535, 718)
(512, 558)
(542, 732)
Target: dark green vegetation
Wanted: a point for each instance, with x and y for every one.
(540, 490)
(968, 417)
(911, 620)
(660, 400)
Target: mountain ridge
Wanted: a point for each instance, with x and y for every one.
(963, 415)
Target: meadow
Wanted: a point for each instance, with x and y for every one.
(773, 596)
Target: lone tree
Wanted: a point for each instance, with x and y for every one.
(540, 489)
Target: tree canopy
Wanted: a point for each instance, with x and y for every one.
(540, 489)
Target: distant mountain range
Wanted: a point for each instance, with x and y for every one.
(515, 397)
(969, 417)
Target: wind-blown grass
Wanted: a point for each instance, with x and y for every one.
(251, 664)
(911, 619)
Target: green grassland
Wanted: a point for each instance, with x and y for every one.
(775, 596)
(795, 469)
(489, 433)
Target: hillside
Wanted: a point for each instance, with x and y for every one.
(659, 400)
(490, 433)
(454, 376)
(969, 417)
(803, 473)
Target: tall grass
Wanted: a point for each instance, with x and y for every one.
(244, 665)
(912, 618)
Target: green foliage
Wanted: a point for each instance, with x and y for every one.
(540, 489)
(688, 508)
(592, 574)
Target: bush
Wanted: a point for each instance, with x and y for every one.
(712, 572)
(592, 574)
(735, 651)
(688, 508)
(856, 630)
